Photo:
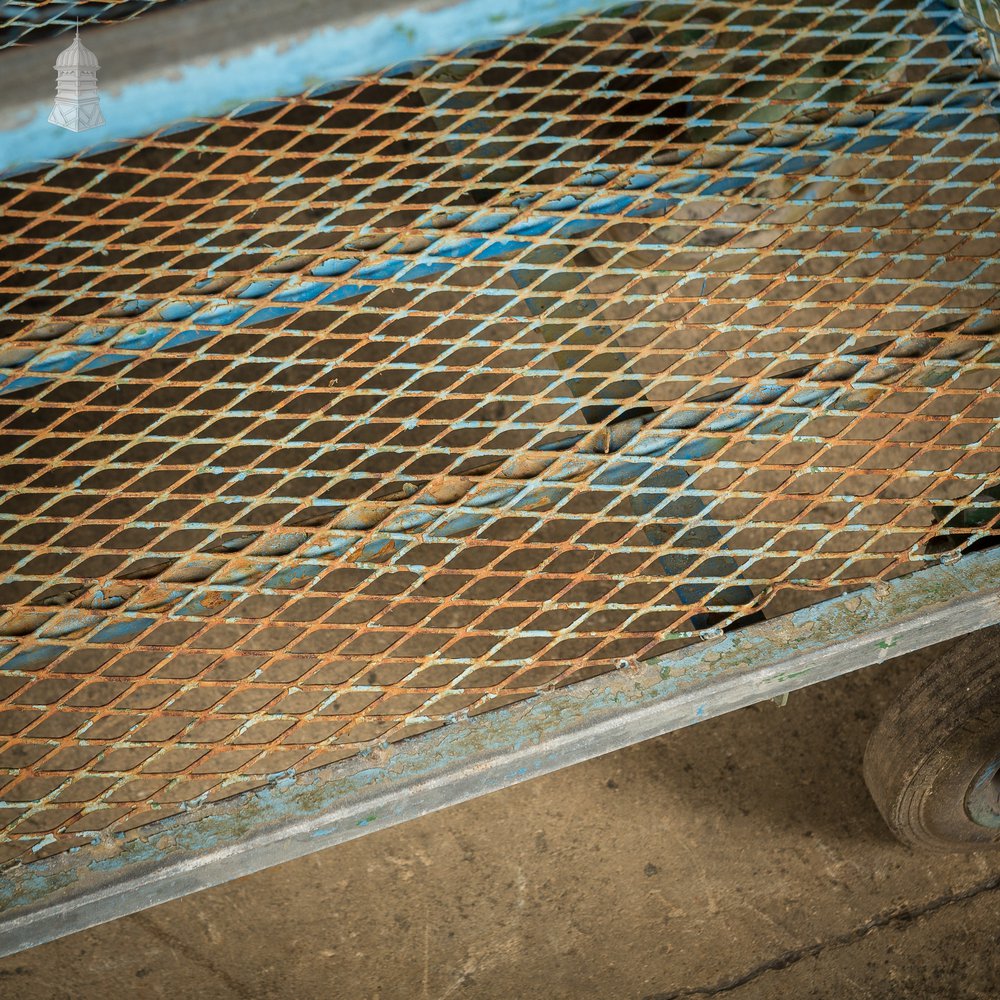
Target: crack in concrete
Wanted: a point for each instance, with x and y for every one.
(899, 915)
(194, 954)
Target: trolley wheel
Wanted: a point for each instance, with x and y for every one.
(933, 763)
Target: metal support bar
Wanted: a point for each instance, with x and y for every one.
(215, 56)
(210, 844)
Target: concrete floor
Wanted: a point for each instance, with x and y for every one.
(741, 857)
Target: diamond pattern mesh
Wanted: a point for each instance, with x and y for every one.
(985, 16)
(331, 421)
(26, 21)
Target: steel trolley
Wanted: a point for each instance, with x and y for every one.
(557, 386)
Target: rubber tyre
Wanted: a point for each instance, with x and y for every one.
(938, 740)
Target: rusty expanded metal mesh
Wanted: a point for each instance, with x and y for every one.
(985, 16)
(26, 21)
(409, 397)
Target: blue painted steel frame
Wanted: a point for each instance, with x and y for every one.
(210, 844)
(289, 62)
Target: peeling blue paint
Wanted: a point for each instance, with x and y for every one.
(286, 65)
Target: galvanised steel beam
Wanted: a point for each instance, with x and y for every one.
(212, 843)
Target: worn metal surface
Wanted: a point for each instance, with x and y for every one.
(419, 394)
(213, 57)
(28, 21)
(985, 14)
(209, 845)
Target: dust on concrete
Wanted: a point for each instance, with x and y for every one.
(741, 857)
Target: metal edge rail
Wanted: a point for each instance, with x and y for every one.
(210, 844)
(212, 57)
